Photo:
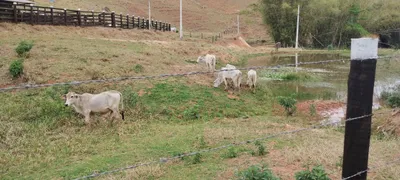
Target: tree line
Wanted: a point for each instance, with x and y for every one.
(329, 23)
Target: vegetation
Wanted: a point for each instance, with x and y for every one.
(289, 103)
(313, 110)
(231, 153)
(16, 68)
(317, 173)
(329, 23)
(257, 172)
(391, 97)
(260, 148)
(138, 68)
(23, 48)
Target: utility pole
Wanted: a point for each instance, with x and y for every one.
(297, 29)
(238, 25)
(181, 28)
(149, 15)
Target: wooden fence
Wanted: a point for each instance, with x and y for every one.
(55, 16)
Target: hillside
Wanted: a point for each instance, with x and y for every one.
(198, 15)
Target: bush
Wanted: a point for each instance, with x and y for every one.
(392, 97)
(260, 148)
(23, 48)
(317, 173)
(289, 103)
(256, 172)
(196, 159)
(232, 153)
(16, 68)
(138, 68)
(313, 110)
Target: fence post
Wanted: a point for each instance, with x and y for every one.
(104, 18)
(31, 13)
(127, 21)
(143, 23)
(79, 17)
(15, 11)
(156, 23)
(364, 53)
(120, 21)
(113, 19)
(65, 17)
(93, 23)
(133, 21)
(52, 15)
(148, 23)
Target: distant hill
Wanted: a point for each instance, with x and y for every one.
(198, 15)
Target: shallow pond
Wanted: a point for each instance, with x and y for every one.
(329, 80)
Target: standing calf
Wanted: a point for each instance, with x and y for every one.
(210, 61)
(105, 102)
(252, 78)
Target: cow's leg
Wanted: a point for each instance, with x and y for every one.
(226, 84)
(107, 115)
(87, 117)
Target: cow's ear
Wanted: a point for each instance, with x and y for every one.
(64, 96)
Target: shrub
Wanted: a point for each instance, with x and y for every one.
(313, 110)
(289, 103)
(232, 153)
(196, 159)
(260, 148)
(23, 48)
(256, 172)
(138, 68)
(16, 68)
(317, 173)
(392, 97)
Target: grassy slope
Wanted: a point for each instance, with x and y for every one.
(198, 15)
(41, 139)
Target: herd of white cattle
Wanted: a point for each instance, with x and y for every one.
(108, 102)
(228, 72)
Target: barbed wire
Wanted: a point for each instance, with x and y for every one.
(372, 168)
(164, 160)
(117, 79)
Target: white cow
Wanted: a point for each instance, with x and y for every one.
(173, 29)
(105, 102)
(209, 59)
(235, 75)
(230, 66)
(252, 78)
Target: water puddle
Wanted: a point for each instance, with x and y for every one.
(333, 85)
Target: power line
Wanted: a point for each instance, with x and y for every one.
(164, 160)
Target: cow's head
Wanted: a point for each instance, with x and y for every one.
(200, 59)
(70, 98)
(218, 81)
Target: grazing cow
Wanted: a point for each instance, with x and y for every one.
(235, 75)
(105, 102)
(252, 78)
(209, 59)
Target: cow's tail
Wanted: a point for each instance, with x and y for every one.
(122, 107)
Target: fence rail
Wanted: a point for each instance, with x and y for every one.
(56, 16)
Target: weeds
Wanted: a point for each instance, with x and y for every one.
(256, 172)
(16, 68)
(23, 48)
(138, 68)
(317, 173)
(313, 110)
(392, 97)
(289, 103)
(197, 159)
(231, 153)
(260, 148)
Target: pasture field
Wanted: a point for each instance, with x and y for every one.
(42, 139)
